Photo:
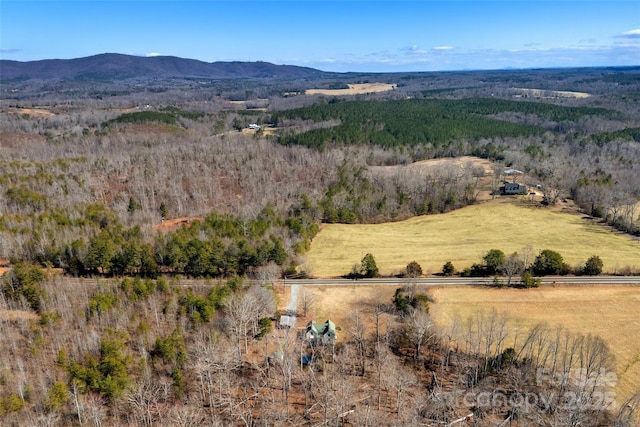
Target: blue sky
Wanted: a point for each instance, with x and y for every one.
(372, 36)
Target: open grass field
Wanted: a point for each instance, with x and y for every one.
(461, 163)
(354, 89)
(35, 112)
(610, 312)
(465, 235)
(542, 93)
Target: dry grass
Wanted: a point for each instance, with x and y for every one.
(463, 164)
(610, 312)
(15, 315)
(543, 93)
(424, 166)
(354, 89)
(464, 235)
(338, 303)
(34, 112)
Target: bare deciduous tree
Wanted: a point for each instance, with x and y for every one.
(357, 333)
(243, 312)
(420, 328)
(512, 266)
(307, 301)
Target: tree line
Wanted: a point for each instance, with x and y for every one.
(496, 263)
(214, 246)
(547, 262)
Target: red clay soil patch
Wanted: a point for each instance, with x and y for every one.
(172, 224)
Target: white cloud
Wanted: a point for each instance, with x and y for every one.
(627, 39)
(413, 50)
(585, 53)
(150, 54)
(632, 34)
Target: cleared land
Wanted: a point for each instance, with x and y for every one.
(354, 89)
(35, 112)
(464, 235)
(543, 93)
(610, 312)
(172, 224)
(463, 162)
(607, 311)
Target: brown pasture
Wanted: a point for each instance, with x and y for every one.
(608, 311)
(354, 89)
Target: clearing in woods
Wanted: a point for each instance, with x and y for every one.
(608, 311)
(543, 93)
(354, 89)
(463, 236)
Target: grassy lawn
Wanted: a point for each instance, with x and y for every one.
(464, 235)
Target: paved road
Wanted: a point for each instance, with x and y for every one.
(439, 281)
(425, 281)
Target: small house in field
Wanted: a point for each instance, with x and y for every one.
(513, 188)
(321, 333)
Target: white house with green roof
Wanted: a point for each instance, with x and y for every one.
(321, 333)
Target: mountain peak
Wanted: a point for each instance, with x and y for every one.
(117, 66)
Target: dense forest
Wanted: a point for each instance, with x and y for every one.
(146, 227)
(435, 122)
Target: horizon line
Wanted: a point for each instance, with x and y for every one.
(151, 57)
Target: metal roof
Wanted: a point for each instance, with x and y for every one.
(513, 172)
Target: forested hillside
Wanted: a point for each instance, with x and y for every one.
(112, 66)
(63, 162)
(434, 122)
(144, 229)
(176, 352)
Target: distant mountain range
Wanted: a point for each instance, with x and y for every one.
(113, 66)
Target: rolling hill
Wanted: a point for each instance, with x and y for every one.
(463, 236)
(113, 66)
